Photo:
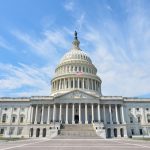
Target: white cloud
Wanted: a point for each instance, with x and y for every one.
(35, 79)
(69, 5)
(4, 44)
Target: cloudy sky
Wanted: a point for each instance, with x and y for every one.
(35, 34)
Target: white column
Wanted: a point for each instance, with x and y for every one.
(60, 110)
(80, 113)
(0, 114)
(65, 84)
(95, 85)
(110, 114)
(98, 110)
(73, 83)
(18, 115)
(60, 85)
(104, 114)
(48, 114)
(29, 114)
(122, 113)
(116, 110)
(73, 122)
(86, 120)
(54, 111)
(83, 83)
(42, 115)
(66, 114)
(78, 83)
(88, 84)
(36, 114)
(112, 132)
(92, 111)
(92, 84)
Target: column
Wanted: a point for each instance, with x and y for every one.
(60, 110)
(122, 113)
(104, 114)
(66, 114)
(78, 83)
(80, 113)
(42, 115)
(48, 114)
(69, 83)
(95, 85)
(112, 132)
(88, 84)
(10, 121)
(110, 114)
(60, 87)
(29, 114)
(54, 111)
(36, 114)
(64, 83)
(98, 111)
(92, 83)
(92, 111)
(0, 114)
(73, 83)
(116, 111)
(86, 120)
(19, 115)
(83, 83)
(143, 116)
(73, 122)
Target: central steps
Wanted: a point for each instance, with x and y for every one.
(76, 131)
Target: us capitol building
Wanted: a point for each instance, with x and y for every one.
(76, 106)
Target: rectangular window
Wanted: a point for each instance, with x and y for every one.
(132, 131)
(141, 131)
(139, 119)
(21, 119)
(13, 119)
(131, 120)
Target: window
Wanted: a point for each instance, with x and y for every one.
(137, 109)
(148, 118)
(2, 131)
(129, 109)
(141, 131)
(147, 109)
(11, 131)
(21, 119)
(4, 118)
(15, 109)
(139, 119)
(5, 108)
(22, 109)
(132, 131)
(131, 120)
(13, 119)
(19, 131)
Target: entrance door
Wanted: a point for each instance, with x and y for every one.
(76, 118)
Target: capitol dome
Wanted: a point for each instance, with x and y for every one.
(76, 71)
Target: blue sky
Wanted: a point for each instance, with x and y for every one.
(35, 34)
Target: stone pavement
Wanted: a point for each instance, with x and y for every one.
(76, 144)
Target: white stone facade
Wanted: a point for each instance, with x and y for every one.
(75, 99)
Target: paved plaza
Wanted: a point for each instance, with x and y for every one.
(76, 144)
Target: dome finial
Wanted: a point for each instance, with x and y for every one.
(76, 42)
(75, 35)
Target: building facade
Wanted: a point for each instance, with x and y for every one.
(75, 98)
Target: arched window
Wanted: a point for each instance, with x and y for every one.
(22, 118)
(13, 118)
(4, 118)
(148, 118)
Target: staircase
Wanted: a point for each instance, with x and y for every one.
(76, 131)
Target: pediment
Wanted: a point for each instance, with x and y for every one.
(76, 94)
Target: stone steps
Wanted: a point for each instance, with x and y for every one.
(77, 131)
